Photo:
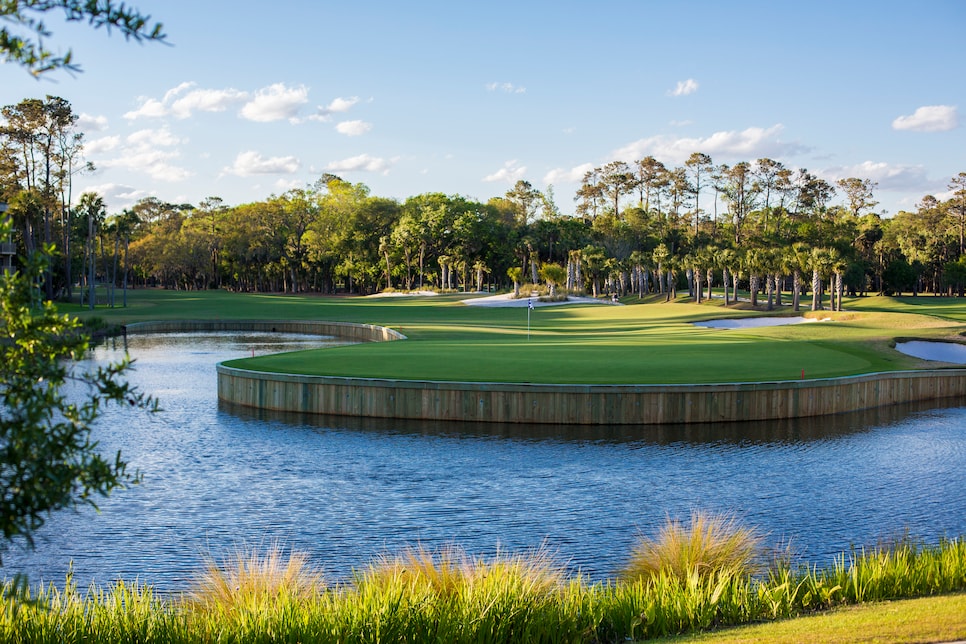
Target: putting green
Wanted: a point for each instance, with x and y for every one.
(648, 342)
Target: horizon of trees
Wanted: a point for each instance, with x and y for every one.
(640, 227)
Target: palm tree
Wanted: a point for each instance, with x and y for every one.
(660, 256)
(726, 259)
(820, 262)
(92, 206)
(755, 264)
(797, 259)
(837, 266)
(554, 275)
(515, 273)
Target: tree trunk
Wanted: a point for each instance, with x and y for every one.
(796, 290)
(816, 290)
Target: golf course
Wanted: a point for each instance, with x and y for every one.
(644, 341)
(643, 361)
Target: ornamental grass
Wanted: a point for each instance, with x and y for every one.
(449, 596)
(710, 545)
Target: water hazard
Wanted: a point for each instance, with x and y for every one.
(347, 490)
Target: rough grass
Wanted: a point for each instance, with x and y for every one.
(645, 342)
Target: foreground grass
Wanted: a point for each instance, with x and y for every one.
(642, 342)
(450, 597)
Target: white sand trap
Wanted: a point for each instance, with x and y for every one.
(506, 299)
(405, 294)
(750, 323)
(936, 351)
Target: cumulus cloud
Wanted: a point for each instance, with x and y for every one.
(563, 175)
(506, 88)
(361, 163)
(251, 163)
(337, 106)
(116, 195)
(147, 151)
(275, 103)
(102, 145)
(888, 177)
(511, 172)
(185, 99)
(353, 128)
(89, 123)
(685, 87)
(929, 118)
(750, 143)
(206, 100)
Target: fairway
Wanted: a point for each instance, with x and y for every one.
(641, 342)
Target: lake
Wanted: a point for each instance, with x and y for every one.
(346, 490)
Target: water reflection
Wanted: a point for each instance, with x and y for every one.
(791, 430)
(347, 489)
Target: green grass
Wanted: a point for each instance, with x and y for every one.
(929, 619)
(649, 342)
(447, 596)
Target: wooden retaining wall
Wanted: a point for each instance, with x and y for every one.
(343, 330)
(583, 404)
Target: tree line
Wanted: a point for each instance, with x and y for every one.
(640, 227)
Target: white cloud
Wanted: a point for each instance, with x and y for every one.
(750, 143)
(154, 138)
(929, 118)
(353, 128)
(102, 145)
(361, 163)
(284, 185)
(150, 108)
(507, 88)
(275, 103)
(511, 172)
(154, 163)
(889, 177)
(573, 175)
(337, 106)
(116, 195)
(684, 88)
(250, 163)
(145, 151)
(206, 100)
(181, 101)
(89, 123)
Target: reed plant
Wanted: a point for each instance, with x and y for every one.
(710, 545)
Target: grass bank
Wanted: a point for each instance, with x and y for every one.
(642, 342)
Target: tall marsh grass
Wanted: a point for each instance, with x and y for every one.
(709, 545)
(449, 596)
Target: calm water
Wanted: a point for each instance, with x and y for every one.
(347, 490)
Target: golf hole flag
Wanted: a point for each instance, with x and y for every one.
(530, 303)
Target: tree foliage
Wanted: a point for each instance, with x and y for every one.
(49, 459)
(22, 41)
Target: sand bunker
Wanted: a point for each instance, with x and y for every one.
(750, 323)
(935, 351)
(506, 299)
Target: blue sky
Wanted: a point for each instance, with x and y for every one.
(250, 99)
